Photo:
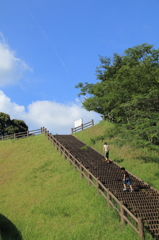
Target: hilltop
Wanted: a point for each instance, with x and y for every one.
(42, 197)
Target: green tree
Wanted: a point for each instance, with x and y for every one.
(127, 90)
(4, 122)
(8, 126)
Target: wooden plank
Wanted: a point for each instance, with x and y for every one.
(93, 176)
(141, 228)
(35, 130)
(20, 132)
(122, 212)
(8, 137)
(87, 124)
(35, 133)
(104, 188)
(76, 128)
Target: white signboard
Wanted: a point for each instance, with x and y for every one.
(78, 122)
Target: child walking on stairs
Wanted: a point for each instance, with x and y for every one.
(126, 180)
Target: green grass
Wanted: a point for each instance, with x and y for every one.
(142, 162)
(43, 198)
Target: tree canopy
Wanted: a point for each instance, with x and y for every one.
(8, 126)
(127, 91)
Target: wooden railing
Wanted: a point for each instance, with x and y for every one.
(124, 213)
(22, 134)
(82, 126)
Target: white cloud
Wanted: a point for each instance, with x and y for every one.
(11, 67)
(9, 107)
(56, 117)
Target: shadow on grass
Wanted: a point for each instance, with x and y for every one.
(118, 160)
(8, 230)
(157, 174)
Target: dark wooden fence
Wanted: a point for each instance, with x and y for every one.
(124, 213)
(83, 126)
(22, 134)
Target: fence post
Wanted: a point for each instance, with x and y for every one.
(122, 213)
(2, 137)
(47, 134)
(92, 122)
(14, 136)
(60, 152)
(74, 160)
(108, 197)
(82, 126)
(81, 175)
(88, 179)
(69, 159)
(65, 155)
(141, 229)
(72, 130)
(97, 185)
(27, 133)
(45, 131)
(52, 142)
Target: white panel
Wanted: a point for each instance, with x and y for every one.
(78, 122)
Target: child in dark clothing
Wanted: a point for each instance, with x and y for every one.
(126, 180)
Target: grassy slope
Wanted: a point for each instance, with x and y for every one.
(46, 200)
(134, 160)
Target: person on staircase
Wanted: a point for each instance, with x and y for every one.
(106, 152)
(126, 180)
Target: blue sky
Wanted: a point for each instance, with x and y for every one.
(49, 46)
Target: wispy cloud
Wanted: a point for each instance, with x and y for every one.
(45, 35)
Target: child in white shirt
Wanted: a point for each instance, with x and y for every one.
(106, 151)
